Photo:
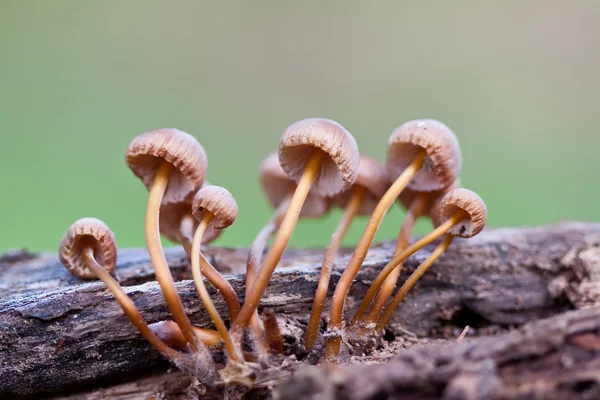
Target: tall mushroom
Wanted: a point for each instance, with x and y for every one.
(215, 207)
(457, 202)
(320, 155)
(360, 199)
(422, 155)
(88, 250)
(279, 189)
(417, 204)
(171, 164)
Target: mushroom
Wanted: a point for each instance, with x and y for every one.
(464, 215)
(88, 250)
(422, 155)
(171, 164)
(417, 204)
(320, 155)
(279, 188)
(215, 207)
(177, 223)
(169, 333)
(461, 202)
(360, 199)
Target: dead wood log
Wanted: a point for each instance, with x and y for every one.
(59, 334)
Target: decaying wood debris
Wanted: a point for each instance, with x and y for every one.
(59, 335)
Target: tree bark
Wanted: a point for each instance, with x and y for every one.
(59, 334)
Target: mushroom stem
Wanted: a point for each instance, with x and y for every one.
(281, 240)
(212, 275)
(358, 195)
(254, 256)
(413, 278)
(157, 256)
(127, 305)
(401, 257)
(233, 352)
(169, 333)
(415, 210)
(360, 252)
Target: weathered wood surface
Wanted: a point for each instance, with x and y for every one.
(57, 333)
(556, 358)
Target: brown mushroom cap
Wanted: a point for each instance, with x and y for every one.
(146, 152)
(171, 217)
(442, 163)
(372, 176)
(277, 185)
(217, 200)
(408, 195)
(83, 233)
(461, 199)
(338, 171)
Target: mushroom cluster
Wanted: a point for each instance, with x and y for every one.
(317, 167)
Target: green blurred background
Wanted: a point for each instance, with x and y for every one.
(517, 81)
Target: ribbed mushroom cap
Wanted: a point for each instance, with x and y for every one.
(373, 177)
(338, 171)
(408, 195)
(461, 199)
(173, 214)
(442, 163)
(277, 185)
(146, 152)
(217, 200)
(83, 233)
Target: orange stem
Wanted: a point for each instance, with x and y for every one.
(128, 306)
(281, 240)
(234, 353)
(358, 195)
(414, 212)
(413, 278)
(401, 257)
(157, 255)
(359, 254)
(169, 332)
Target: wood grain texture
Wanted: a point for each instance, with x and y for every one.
(58, 333)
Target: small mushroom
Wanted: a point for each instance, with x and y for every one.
(169, 333)
(88, 250)
(172, 165)
(422, 155)
(215, 207)
(417, 204)
(320, 155)
(459, 204)
(279, 188)
(360, 199)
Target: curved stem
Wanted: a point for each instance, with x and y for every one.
(157, 256)
(204, 296)
(414, 212)
(214, 277)
(413, 278)
(169, 332)
(254, 257)
(401, 257)
(358, 195)
(359, 254)
(128, 305)
(281, 240)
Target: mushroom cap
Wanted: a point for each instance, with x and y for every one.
(373, 177)
(180, 149)
(88, 232)
(217, 200)
(171, 217)
(442, 163)
(408, 195)
(461, 199)
(277, 185)
(338, 170)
